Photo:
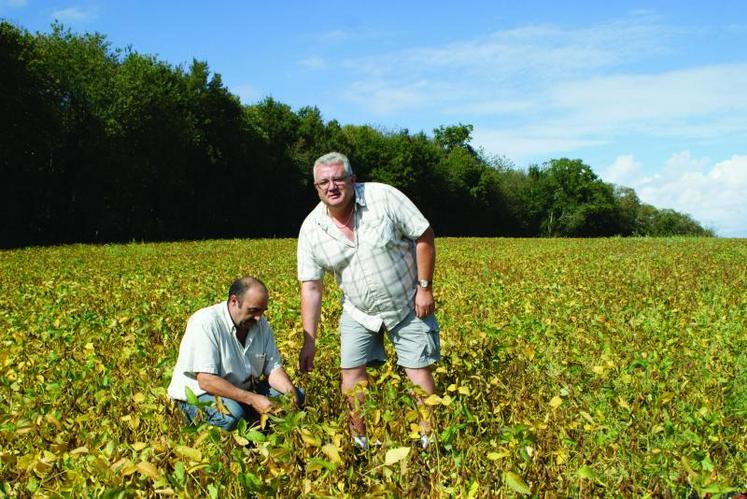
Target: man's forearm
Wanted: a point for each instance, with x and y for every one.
(279, 380)
(215, 385)
(311, 307)
(425, 255)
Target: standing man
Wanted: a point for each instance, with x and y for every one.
(225, 350)
(381, 251)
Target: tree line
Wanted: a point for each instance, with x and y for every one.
(110, 145)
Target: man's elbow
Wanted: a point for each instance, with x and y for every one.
(312, 287)
(203, 381)
(428, 236)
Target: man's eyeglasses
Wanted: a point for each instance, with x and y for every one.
(337, 181)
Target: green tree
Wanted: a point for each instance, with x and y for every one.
(566, 198)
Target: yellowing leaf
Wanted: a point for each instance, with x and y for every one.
(53, 420)
(432, 400)
(598, 369)
(464, 390)
(188, 452)
(396, 455)
(451, 388)
(530, 352)
(239, 439)
(309, 438)
(332, 453)
(147, 469)
(556, 402)
(138, 397)
(666, 397)
(221, 406)
(494, 456)
(138, 446)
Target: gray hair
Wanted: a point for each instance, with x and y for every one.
(244, 284)
(334, 158)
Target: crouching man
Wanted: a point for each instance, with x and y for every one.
(225, 351)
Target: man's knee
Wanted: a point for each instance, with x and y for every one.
(226, 422)
(352, 377)
(225, 415)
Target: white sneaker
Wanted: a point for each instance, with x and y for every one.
(425, 441)
(361, 442)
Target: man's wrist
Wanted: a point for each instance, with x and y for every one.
(307, 336)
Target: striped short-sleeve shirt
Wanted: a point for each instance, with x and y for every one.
(376, 271)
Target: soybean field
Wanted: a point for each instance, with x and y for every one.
(570, 368)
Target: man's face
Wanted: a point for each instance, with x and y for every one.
(338, 191)
(247, 310)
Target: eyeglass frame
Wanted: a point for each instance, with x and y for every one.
(325, 183)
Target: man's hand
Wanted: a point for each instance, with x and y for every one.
(261, 404)
(215, 385)
(306, 357)
(424, 303)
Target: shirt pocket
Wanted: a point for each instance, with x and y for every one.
(257, 363)
(378, 234)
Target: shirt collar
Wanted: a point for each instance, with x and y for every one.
(228, 321)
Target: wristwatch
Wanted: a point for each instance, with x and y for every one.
(424, 283)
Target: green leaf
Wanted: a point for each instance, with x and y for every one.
(516, 483)
(255, 436)
(586, 473)
(191, 397)
(321, 462)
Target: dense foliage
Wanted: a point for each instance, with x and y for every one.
(571, 368)
(102, 145)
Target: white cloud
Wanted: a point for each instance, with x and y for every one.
(382, 97)
(713, 194)
(246, 93)
(313, 63)
(536, 52)
(12, 4)
(336, 35)
(491, 107)
(558, 88)
(657, 103)
(521, 144)
(623, 170)
(73, 15)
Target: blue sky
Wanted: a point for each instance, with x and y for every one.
(651, 95)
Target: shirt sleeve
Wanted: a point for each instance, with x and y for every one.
(272, 355)
(308, 268)
(406, 216)
(201, 351)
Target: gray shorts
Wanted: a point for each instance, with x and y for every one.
(415, 340)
